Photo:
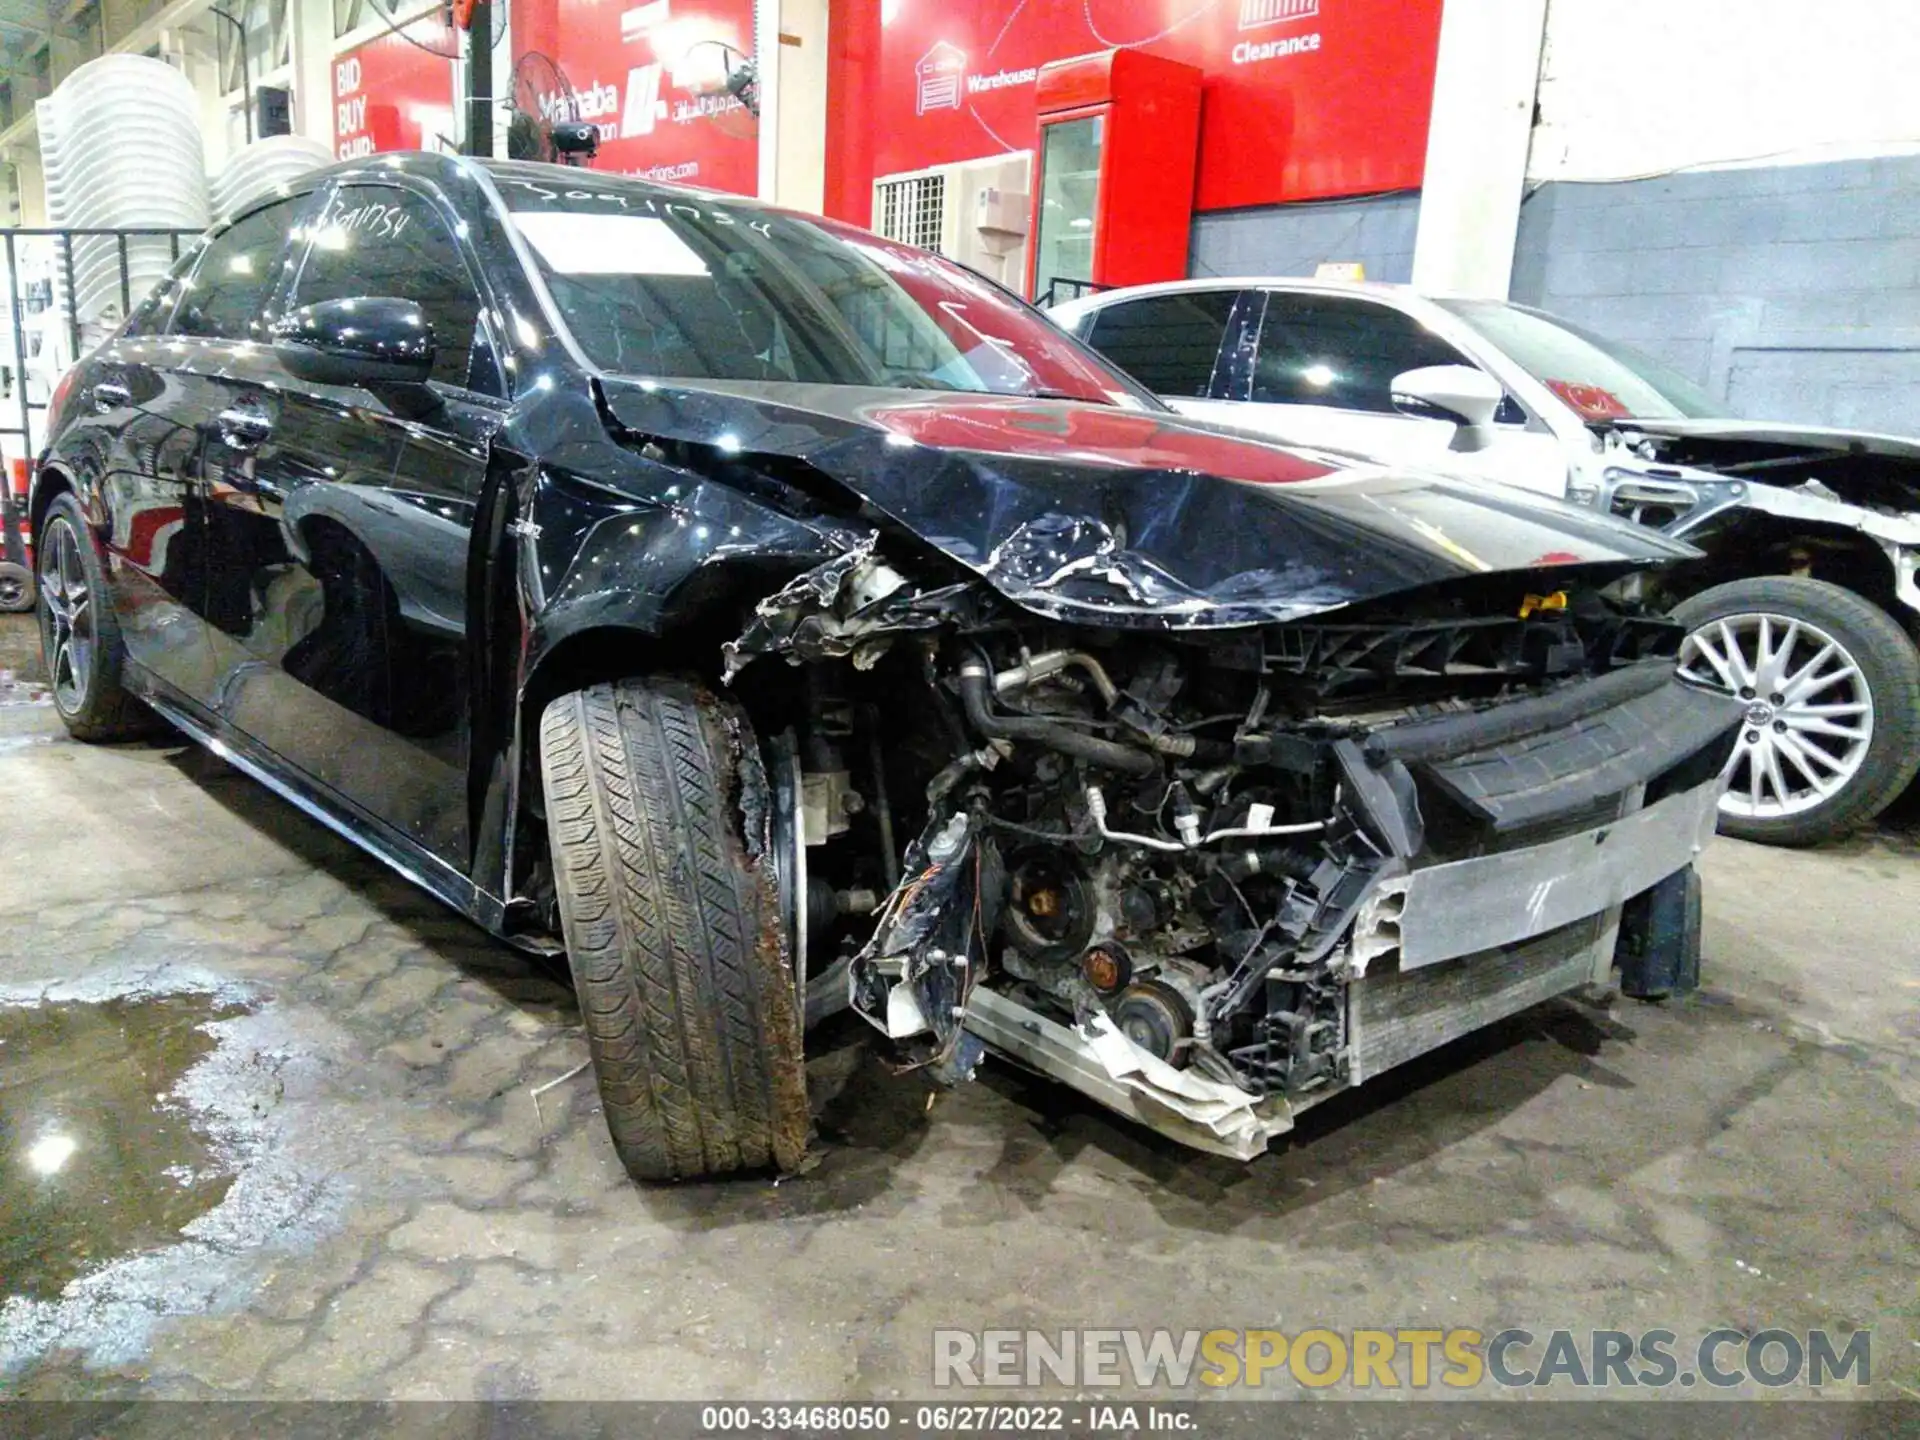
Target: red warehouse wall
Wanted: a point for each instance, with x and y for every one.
(392, 95)
(1304, 99)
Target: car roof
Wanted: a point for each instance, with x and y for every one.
(578, 177)
(1382, 288)
(1388, 292)
(437, 165)
(1290, 282)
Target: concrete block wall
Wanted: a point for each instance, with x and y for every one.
(1789, 292)
(1376, 230)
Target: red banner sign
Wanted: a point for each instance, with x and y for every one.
(651, 75)
(1304, 98)
(392, 95)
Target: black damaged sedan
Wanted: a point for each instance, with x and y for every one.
(775, 619)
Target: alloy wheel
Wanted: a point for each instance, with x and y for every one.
(66, 616)
(1809, 715)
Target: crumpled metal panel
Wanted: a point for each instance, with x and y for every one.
(852, 604)
(1133, 518)
(1470, 905)
(1097, 1060)
(1530, 780)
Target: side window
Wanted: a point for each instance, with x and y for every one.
(377, 240)
(1169, 343)
(1330, 350)
(235, 273)
(150, 315)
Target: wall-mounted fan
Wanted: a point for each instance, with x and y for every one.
(543, 125)
(719, 72)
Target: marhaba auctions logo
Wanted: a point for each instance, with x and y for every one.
(642, 111)
(599, 103)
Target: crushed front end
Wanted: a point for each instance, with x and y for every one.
(1211, 877)
(1769, 499)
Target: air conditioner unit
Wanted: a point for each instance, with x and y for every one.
(974, 212)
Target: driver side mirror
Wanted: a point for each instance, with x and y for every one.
(1459, 394)
(377, 342)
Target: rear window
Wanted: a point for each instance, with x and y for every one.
(1169, 343)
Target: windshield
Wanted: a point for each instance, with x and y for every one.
(690, 287)
(1599, 379)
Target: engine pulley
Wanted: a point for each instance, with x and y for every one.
(1156, 1017)
(1050, 906)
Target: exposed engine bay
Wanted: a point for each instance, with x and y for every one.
(1772, 499)
(1211, 877)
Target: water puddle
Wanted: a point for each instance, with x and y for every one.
(98, 1158)
(155, 1149)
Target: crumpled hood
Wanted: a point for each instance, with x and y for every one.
(1799, 437)
(1104, 515)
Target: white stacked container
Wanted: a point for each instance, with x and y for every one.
(53, 176)
(120, 142)
(263, 168)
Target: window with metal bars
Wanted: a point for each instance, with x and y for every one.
(912, 210)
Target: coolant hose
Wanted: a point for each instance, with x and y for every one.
(975, 685)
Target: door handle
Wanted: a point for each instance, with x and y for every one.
(108, 395)
(242, 428)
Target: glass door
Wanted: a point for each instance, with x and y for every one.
(1069, 202)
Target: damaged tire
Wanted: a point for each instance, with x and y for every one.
(1832, 686)
(672, 930)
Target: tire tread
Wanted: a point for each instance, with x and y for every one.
(687, 1000)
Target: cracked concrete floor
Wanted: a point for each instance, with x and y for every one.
(1745, 1158)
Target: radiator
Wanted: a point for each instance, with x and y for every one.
(1394, 1015)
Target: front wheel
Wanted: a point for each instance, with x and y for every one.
(672, 929)
(1832, 687)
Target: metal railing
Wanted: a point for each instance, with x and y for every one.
(18, 414)
(1063, 287)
